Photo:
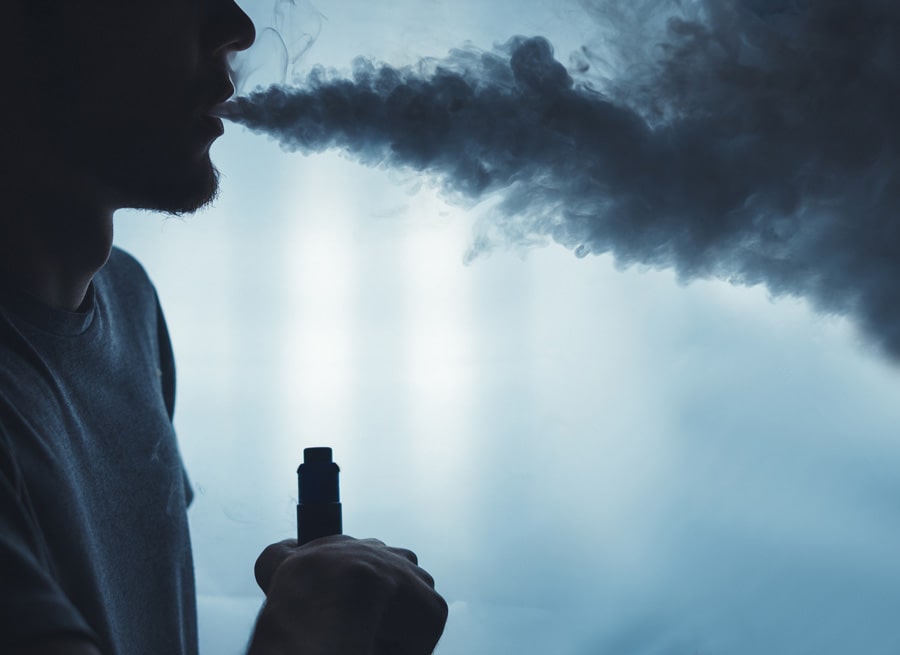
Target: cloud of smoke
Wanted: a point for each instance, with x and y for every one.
(749, 140)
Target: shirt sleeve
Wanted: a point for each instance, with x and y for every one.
(32, 605)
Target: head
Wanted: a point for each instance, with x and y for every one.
(114, 96)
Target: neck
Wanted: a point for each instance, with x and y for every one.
(51, 248)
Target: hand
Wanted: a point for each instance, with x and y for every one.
(343, 596)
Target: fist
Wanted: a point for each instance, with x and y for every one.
(345, 596)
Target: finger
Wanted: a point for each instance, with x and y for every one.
(413, 622)
(274, 555)
(405, 553)
(424, 575)
(409, 555)
(269, 561)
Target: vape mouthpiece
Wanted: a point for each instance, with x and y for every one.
(319, 504)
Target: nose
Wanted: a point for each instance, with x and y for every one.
(229, 29)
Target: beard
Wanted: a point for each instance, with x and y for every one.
(171, 190)
(157, 168)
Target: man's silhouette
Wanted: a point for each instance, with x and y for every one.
(107, 105)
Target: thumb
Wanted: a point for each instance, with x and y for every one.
(269, 561)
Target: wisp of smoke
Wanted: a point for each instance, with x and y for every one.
(279, 47)
(758, 145)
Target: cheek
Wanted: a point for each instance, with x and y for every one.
(133, 65)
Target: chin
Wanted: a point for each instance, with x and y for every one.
(166, 169)
(192, 194)
(176, 194)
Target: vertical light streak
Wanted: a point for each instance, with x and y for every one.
(319, 295)
(440, 363)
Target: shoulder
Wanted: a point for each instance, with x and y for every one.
(123, 282)
(123, 265)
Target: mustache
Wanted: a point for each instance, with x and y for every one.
(758, 143)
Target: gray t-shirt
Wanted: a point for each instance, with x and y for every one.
(93, 498)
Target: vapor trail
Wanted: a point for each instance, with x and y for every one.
(758, 144)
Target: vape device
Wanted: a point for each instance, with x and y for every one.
(319, 502)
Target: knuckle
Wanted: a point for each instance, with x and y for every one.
(362, 576)
(274, 553)
(332, 540)
(406, 554)
(428, 578)
(269, 553)
(289, 571)
(271, 558)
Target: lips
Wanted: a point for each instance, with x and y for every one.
(225, 93)
(218, 92)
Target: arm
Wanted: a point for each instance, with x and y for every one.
(32, 605)
(334, 596)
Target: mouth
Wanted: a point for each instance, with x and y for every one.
(219, 111)
(207, 128)
(211, 125)
(224, 91)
